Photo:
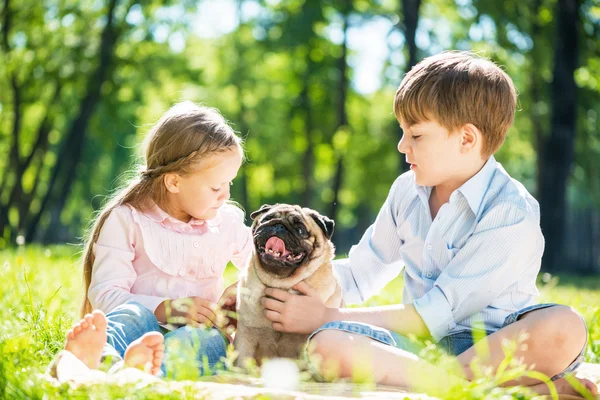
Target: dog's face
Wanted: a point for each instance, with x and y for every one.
(288, 237)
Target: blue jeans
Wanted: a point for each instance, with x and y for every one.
(454, 344)
(130, 321)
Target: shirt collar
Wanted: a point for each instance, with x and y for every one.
(424, 192)
(475, 188)
(158, 215)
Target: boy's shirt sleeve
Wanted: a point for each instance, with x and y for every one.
(113, 274)
(506, 243)
(376, 259)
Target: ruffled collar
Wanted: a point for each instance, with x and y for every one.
(158, 215)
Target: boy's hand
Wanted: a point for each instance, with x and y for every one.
(296, 313)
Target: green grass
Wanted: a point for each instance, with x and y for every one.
(40, 289)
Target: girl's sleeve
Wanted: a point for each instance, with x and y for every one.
(113, 274)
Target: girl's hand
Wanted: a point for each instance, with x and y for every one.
(187, 311)
(295, 313)
(228, 302)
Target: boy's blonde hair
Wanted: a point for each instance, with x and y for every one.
(455, 88)
(183, 140)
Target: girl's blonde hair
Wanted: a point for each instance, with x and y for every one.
(184, 137)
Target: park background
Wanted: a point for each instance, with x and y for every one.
(308, 84)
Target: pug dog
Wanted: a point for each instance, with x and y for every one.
(291, 244)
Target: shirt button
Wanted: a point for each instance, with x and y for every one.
(429, 274)
(196, 244)
(429, 247)
(191, 272)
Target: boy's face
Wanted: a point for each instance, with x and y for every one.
(435, 154)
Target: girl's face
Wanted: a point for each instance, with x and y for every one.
(201, 193)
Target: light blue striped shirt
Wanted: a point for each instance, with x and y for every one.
(477, 261)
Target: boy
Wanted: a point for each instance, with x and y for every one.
(467, 234)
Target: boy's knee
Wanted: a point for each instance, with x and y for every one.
(563, 327)
(327, 343)
(326, 353)
(568, 327)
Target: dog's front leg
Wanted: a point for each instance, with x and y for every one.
(245, 344)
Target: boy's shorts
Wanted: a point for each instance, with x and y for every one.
(454, 344)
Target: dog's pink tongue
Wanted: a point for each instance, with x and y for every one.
(277, 245)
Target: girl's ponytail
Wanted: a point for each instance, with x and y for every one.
(137, 193)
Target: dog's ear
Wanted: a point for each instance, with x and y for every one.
(324, 223)
(262, 210)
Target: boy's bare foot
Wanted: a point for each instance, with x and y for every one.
(563, 387)
(146, 353)
(87, 339)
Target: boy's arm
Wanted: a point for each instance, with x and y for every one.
(371, 265)
(376, 259)
(507, 243)
(304, 314)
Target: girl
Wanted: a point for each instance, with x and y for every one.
(157, 250)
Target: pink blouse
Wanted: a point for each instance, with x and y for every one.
(148, 257)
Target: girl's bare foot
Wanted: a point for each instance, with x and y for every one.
(87, 339)
(146, 353)
(563, 387)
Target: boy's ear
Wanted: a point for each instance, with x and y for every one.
(324, 223)
(262, 210)
(470, 137)
(171, 181)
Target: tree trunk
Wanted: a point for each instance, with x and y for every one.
(557, 149)
(238, 79)
(243, 178)
(410, 22)
(308, 159)
(342, 119)
(16, 193)
(18, 164)
(535, 90)
(14, 160)
(65, 170)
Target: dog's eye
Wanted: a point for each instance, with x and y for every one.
(301, 230)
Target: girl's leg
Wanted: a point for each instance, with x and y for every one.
(85, 345)
(207, 345)
(146, 353)
(127, 323)
(79, 361)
